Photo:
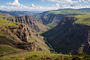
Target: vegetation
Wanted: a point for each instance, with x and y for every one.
(71, 11)
(65, 36)
(37, 55)
(43, 53)
(8, 39)
(81, 56)
(5, 16)
(4, 49)
(83, 19)
(4, 23)
(6, 44)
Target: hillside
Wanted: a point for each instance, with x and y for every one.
(71, 11)
(53, 17)
(19, 13)
(49, 19)
(38, 55)
(71, 35)
(32, 23)
(15, 36)
(27, 20)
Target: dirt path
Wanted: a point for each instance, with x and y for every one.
(13, 53)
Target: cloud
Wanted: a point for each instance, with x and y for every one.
(60, 4)
(33, 5)
(16, 6)
(15, 3)
(53, 0)
(72, 3)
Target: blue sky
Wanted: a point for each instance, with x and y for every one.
(42, 5)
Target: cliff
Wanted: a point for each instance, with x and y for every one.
(69, 37)
(32, 23)
(50, 19)
(19, 36)
(29, 21)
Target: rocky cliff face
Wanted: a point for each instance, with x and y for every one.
(19, 36)
(49, 19)
(19, 32)
(22, 32)
(32, 23)
(69, 37)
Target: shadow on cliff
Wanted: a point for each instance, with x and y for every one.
(68, 37)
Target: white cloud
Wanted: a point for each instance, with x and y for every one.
(16, 6)
(15, 3)
(33, 5)
(53, 0)
(72, 3)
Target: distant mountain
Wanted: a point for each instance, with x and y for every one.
(19, 13)
(71, 11)
(72, 35)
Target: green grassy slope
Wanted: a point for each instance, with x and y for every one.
(6, 44)
(71, 11)
(4, 49)
(83, 19)
(37, 55)
(6, 36)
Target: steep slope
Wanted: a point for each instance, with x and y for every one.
(71, 35)
(29, 21)
(53, 17)
(32, 23)
(17, 36)
(50, 19)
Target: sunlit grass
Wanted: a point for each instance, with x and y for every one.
(4, 49)
(37, 55)
(83, 19)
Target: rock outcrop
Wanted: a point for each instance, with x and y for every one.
(21, 33)
(34, 24)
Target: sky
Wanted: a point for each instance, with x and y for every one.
(42, 5)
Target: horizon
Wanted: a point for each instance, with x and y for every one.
(42, 5)
(41, 10)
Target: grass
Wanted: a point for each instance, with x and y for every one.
(37, 55)
(5, 39)
(6, 43)
(69, 12)
(83, 19)
(4, 49)
(4, 23)
(4, 16)
(39, 42)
